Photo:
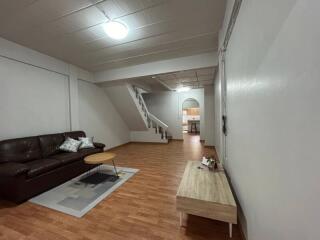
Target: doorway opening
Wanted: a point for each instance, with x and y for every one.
(191, 117)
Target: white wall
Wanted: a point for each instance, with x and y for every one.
(190, 103)
(167, 106)
(19, 53)
(39, 95)
(32, 100)
(127, 105)
(209, 115)
(273, 72)
(147, 136)
(34, 92)
(99, 118)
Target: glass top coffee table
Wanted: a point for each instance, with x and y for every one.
(99, 176)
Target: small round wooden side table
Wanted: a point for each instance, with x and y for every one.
(100, 158)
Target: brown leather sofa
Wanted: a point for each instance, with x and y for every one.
(32, 165)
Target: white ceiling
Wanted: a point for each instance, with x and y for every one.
(196, 78)
(71, 30)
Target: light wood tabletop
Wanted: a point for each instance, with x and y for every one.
(207, 194)
(99, 158)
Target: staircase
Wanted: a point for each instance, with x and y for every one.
(157, 130)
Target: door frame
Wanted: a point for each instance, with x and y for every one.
(223, 106)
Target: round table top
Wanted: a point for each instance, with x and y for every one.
(99, 158)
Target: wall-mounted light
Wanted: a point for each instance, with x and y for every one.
(183, 89)
(116, 30)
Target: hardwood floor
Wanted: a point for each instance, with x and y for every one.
(142, 208)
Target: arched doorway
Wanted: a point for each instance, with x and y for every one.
(191, 116)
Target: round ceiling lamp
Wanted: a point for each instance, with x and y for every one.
(116, 30)
(183, 89)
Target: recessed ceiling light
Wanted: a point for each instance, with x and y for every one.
(183, 89)
(116, 30)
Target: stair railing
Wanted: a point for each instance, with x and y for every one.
(153, 122)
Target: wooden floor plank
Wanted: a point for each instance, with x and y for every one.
(142, 208)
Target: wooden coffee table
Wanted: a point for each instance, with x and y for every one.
(206, 194)
(100, 158)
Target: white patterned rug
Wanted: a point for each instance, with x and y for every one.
(79, 195)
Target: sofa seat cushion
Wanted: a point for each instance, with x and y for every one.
(88, 151)
(41, 166)
(12, 169)
(66, 158)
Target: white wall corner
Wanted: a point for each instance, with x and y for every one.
(29, 56)
(84, 75)
(76, 74)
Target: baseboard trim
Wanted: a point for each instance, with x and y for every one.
(127, 143)
(243, 236)
(149, 142)
(210, 146)
(119, 146)
(240, 212)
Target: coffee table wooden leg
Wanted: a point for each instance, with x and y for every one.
(230, 230)
(182, 219)
(115, 169)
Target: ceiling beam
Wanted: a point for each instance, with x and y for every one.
(204, 60)
(164, 84)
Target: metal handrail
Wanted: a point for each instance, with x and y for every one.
(158, 121)
(153, 121)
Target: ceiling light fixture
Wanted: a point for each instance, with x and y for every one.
(116, 30)
(183, 89)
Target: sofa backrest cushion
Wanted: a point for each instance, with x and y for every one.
(20, 150)
(75, 134)
(50, 143)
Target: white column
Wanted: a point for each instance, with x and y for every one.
(73, 98)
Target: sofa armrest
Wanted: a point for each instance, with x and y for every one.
(13, 169)
(99, 145)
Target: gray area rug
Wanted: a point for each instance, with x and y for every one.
(79, 195)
